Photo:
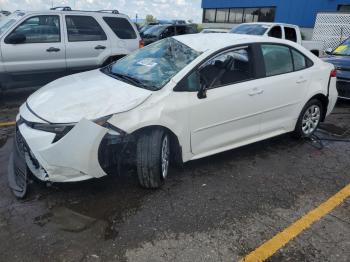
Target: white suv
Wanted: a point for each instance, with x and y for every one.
(38, 47)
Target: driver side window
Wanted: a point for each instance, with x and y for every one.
(228, 68)
(275, 32)
(39, 29)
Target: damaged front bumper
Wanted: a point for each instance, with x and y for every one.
(81, 154)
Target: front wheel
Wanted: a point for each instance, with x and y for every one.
(309, 119)
(153, 155)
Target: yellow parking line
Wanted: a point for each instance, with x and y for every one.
(271, 246)
(4, 124)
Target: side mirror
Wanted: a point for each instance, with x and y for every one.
(329, 51)
(202, 93)
(16, 38)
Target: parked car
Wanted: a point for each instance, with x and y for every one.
(3, 14)
(279, 30)
(158, 32)
(148, 25)
(179, 99)
(214, 30)
(340, 58)
(38, 47)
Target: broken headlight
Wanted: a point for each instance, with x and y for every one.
(59, 129)
(112, 130)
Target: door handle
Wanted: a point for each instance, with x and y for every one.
(53, 49)
(100, 47)
(256, 91)
(301, 81)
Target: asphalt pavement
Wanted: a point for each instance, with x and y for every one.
(219, 208)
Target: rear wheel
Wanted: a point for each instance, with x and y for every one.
(153, 157)
(309, 119)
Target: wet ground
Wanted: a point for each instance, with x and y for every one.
(216, 209)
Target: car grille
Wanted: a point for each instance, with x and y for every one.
(23, 148)
(21, 144)
(343, 88)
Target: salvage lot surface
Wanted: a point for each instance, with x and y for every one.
(216, 209)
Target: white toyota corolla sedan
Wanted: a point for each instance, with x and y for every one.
(179, 99)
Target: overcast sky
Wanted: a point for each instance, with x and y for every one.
(180, 9)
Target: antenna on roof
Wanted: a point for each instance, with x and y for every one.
(61, 8)
(109, 11)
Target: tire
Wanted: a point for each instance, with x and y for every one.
(309, 119)
(152, 158)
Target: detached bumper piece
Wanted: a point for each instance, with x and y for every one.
(17, 168)
(343, 87)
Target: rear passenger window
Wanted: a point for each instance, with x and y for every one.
(299, 60)
(121, 27)
(290, 34)
(84, 28)
(277, 59)
(228, 68)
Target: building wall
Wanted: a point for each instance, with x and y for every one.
(299, 12)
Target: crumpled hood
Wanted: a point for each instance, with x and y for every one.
(89, 95)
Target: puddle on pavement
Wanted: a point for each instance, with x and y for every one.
(333, 129)
(110, 201)
(65, 219)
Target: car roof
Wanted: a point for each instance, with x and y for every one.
(216, 41)
(269, 24)
(72, 12)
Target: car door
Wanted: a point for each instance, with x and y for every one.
(228, 115)
(87, 45)
(284, 87)
(180, 30)
(168, 32)
(34, 52)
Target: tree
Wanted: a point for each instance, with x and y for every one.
(150, 19)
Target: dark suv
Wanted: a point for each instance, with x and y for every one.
(158, 32)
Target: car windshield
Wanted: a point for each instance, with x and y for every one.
(153, 66)
(250, 29)
(7, 22)
(154, 30)
(343, 49)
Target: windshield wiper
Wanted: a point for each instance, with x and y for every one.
(130, 80)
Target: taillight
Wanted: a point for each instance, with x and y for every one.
(141, 44)
(333, 73)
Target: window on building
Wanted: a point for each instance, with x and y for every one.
(344, 8)
(267, 14)
(209, 15)
(236, 15)
(222, 15)
(251, 15)
(239, 15)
